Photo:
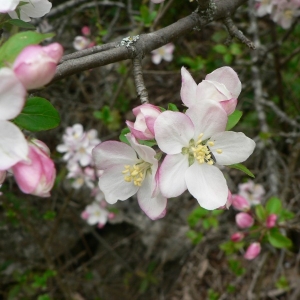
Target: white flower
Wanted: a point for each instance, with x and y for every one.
(165, 52)
(95, 214)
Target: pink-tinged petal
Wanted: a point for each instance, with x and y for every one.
(229, 105)
(235, 147)
(112, 153)
(113, 185)
(169, 48)
(229, 78)
(211, 90)
(13, 145)
(173, 131)
(188, 88)
(147, 110)
(171, 175)
(141, 135)
(12, 94)
(55, 51)
(209, 118)
(207, 184)
(154, 208)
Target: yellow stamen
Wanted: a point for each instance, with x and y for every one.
(219, 151)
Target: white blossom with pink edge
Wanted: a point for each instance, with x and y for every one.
(129, 170)
(36, 175)
(163, 53)
(35, 66)
(194, 143)
(13, 145)
(95, 214)
(8, 5)
(264, 7)
(81, 42)
(251, 192)
(222, 86)
(34, 9)
(143, 127)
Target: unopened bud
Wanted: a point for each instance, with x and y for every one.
(252, 251)
(271, 220)
(244, 220)
(240, 203)
(237, 237)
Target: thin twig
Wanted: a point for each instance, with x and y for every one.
(139, 81)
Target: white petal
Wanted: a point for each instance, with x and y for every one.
(173, 131)
(211, 90)
(235, 146)
(188, 88)
(13, 145)
(154, 208)
(207, 184)
(37, 9)
(209, 118)
(113, 185)
(171, 175)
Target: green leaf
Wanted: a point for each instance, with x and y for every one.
(274, 206)
(220, 49)
(172, 107)
(20, 23)
(278, 240)
(242, 168)
(38, 114)
(286, 215)
(260, 213)
(122, 136)
(149, 143)
(194, 236)
(12, 47)
(233, 119)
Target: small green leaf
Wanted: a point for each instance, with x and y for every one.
(12, 47)
(122, 136)
(172, 107)
(220, 49)
(274, 206)
(242, 168)
(194, 236)
(149, 143)
(286, 215)
(38, 114)
(233, 119)
(20, 23)
(260, 213)
(278, 240)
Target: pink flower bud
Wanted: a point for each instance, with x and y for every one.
(240, 203)
(37, 174)
(244, 220)
(111, 216)
(143, 127)
(85, 215)
(237, 237)
(35, 66)
(85, 30)
(271, 220)
(252, 251)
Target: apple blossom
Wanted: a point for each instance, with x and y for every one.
(240, 203)
(264, 7)
(271, 220)
(244, 220)
(13, 145)
(34, 9)
(35, 66)
(81, 176)
(81, 42)
(8, 5)
(129, 170)
(85, 30)
(222, 86)
(194, 143)
(251, 192)
(163, 53)
(35, 175)
(95, 214)
(252, 251)
(143, 127)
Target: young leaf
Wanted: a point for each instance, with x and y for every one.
(278, 240)
(172, 107)
(260, 213)
(122, 136)
(12, 47)
(233, 119)
(20, 23)
(242, 168)
(38, 114)
(274, 206)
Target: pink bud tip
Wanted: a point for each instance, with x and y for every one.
(111, 216)
(244, 220)
(271, 220)
(252, 251)
(237, 237)
(240, 203)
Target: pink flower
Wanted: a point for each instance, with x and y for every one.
(163, 53)
(237, 237)
(143, 127)
(37, 174)
(252, 251)
(252, 192)
(271, 220)
(85, 30)
(222, 86)
(35, 66)
(244, 220)
(128, 171)
(13, 145)
(194, 142)
(240, 203)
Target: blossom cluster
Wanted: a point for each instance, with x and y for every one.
(192, 146)
(282, 12)
(77, 148)
(83, 41)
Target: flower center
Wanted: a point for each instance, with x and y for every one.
(288, 13)
(136, 173)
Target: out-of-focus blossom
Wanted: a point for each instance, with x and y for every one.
(244, 220)
(35, 66)
(143, 127)
(271, 220)
(237, 237)
(252, 251)
(13, 145)
(33, 9)
(163, 53)
(240, 203)
(252, 192)
(81, 176)
(264, 7)
(222, 86)
(95, 214)
(85, 30)
(81, 42)
(8, 5)
(194, 142)
(36, 175)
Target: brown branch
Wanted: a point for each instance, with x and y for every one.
(139, 80)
